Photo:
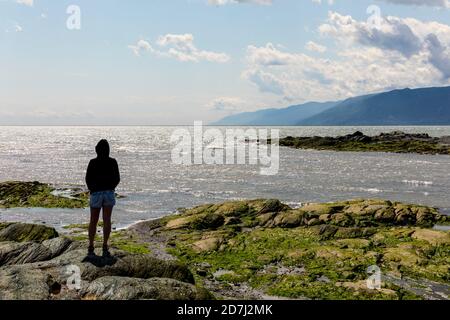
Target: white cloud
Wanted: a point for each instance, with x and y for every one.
(226, 104)
(402, 53)
(393, 34)
(266, 81)
(312, 46)
(180, 47)
(141, 46)
(431, 3)
(14, 27)
(225, 2)
(409, 37)
(330, 2)
(439, 55)
(268, 56)
(26, 2)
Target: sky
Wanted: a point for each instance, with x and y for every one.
(173, 62)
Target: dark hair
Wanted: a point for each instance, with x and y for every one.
(102, 149)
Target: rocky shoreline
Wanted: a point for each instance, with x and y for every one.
(253, 249)
(395, 142)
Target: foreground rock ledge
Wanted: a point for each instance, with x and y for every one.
(397, 142)
(46, 267)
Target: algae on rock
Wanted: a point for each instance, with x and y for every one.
(15, 194)
(333, 244)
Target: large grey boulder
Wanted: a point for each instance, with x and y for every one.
(12, 253)
(22, 232)
(123, 288)
(23, 283)
(36, 264)
(38, 271)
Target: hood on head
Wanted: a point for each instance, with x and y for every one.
(102, 149)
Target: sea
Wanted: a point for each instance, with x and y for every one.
(153, 185)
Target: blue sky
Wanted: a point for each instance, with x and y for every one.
(176, 61)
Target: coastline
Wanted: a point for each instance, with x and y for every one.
(252, 249)
(50, 210)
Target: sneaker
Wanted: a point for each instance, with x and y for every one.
(106, 252)
(91, 251)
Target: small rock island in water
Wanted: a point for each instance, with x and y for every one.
(250, 249)
(18, 194)
(397, 141)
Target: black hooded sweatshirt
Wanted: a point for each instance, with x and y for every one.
(103, 172)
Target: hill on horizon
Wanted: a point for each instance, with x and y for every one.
(424, 106)
(289, 116)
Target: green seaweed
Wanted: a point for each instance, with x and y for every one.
(254, 254)
(319, 143)
(16, 194)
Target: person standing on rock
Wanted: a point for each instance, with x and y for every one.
(102, 178)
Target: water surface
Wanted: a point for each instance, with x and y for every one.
(154, 186)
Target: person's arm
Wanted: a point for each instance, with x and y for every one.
(89, 176)
(116, 174)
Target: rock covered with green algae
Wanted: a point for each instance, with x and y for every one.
(397, 142)
(15, 194)
(272, 213)
(325, 248)
(42, 269)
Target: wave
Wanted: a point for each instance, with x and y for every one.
(294, 205)
(372, 190)
(418, 183)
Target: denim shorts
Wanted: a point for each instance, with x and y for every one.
(103, 199)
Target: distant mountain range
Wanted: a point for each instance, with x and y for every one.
(289, 116)
(426, 106)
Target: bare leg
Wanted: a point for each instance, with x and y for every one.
(95, 213)
(107, 212)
